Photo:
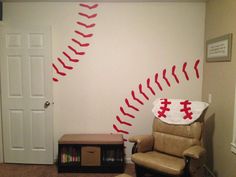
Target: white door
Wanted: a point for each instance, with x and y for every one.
(26, 94)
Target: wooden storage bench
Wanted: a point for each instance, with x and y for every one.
(91, 153)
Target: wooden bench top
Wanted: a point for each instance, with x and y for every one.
(91, 139)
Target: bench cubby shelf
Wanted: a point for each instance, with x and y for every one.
(91, 153)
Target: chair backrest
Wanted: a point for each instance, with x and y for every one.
(174, 139)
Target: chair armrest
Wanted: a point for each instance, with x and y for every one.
(142, 143)
(194, 152)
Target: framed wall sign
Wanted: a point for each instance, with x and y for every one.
(219, 49)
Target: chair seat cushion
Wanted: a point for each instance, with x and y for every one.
(161, 162)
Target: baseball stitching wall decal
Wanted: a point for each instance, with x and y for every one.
(130, 106)
(196, 68)
(125, 113)
(73, 55)
(165, 78)
(165, 107)
(82, 34)
(69, 57)
(123, 122)
(89, 6)
(135, 98)
(186, 109)
(150, 87)
(57, 70)
(174, 75)
(79, 43)
(75, 51)
(87, 16)
(86, 25)
(141, 92)
(157, 82)
(64, 65)
(184, 70)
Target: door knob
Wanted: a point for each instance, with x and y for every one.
(46, 104)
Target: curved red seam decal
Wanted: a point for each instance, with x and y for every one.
(64, 65)
(69, 57)
(130, 106)
(135, 98)
(79, 43)
(156, 81)
(164, 77)
(141, 91)
(57, 70)
(87, 16)
(173, 73)
(119, 130)
(184, 70)
(85, 25)
(75, 51)
(123, 122)
(149, 86)
(196, 68)
(126, 114)
(72, 50)
(88, 6)
(83, 35)
(165, 102)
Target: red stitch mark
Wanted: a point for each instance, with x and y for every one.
(164, 77)
(55, 79)
(130, 106)
(57, 70)
(126, 114)
(196, 68)
(83, 35)
(186, 109)
(135, 98)
(156, 81)
(125, 139)
(85, 25)
(164, 108)
(173, 73)
(87, 16)
(69, 57)
(184, 70)
(88, 6)
(119, 130)
(75, 51)
(123, 122)
(149, 86)
(64, 65)
(79, 43)
(141, 91)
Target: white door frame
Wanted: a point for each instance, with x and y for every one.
(1, 141)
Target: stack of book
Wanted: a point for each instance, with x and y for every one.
(70, 155)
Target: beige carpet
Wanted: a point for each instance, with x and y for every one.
(15, 170)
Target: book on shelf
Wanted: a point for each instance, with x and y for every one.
(70, 155)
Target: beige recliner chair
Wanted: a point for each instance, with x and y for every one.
(171, 150)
